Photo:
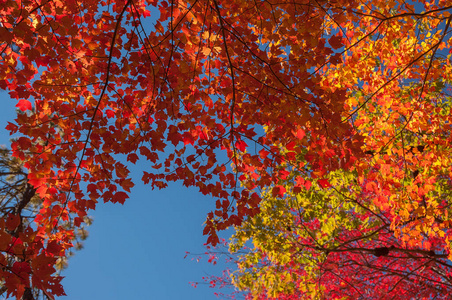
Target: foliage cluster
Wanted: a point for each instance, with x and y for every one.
(320, 127)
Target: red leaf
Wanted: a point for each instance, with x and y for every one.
(300, 134)
(187, 138)
(127, 184)
(132, 157)
(119, 197)
(12, 222)
(299, 181)
(12, 127)
(24, 105)
(21, 267)
(54, 248)
(42, 60)
(324, 183)
(241, 145)
(110, 113)
(278, 191)
(335, 41)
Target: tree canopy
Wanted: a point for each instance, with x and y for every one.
(321, 128)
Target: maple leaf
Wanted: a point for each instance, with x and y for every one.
(335, 41)
(119, 197)
(24, 105)
(12, 222)
(278, 191)
(324, 183)
(132, 157)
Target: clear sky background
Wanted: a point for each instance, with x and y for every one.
(136, 250)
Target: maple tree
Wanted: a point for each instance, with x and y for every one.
(20, 246)
(18, 205)
(233, 97)
(331, 243)
(379, 228)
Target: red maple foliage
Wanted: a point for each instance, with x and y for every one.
(230, 97)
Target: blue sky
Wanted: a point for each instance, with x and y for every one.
(136, 250)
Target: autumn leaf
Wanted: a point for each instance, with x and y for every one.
(24, 105)
(324, 183)
(119, 197)
(12, 222)
(335, 41)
